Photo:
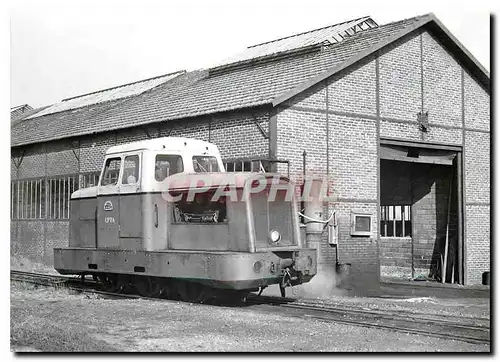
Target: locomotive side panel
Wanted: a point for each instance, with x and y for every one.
(238, 226)
(199, 237)
(155, 221)
(130, 216)
(83, 227)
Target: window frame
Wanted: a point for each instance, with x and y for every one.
(208, 156)
(355, 232)
(101, 178)
(167, 154)
(122, 169)
(43, 198)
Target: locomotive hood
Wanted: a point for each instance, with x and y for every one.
(208, 181)
(85, 193)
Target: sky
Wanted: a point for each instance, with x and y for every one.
(60, 49)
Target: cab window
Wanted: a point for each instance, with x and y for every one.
(205, 164)
(167, 165)
(111, 171)
(130, 170)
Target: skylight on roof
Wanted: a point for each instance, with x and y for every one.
(328, 35)
(110, 94)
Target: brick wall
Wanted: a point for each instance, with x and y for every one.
(351, 158)
(477, 179)
(61, 158)
(418, 72)
(400, 80)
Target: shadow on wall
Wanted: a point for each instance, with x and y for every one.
(431, 192)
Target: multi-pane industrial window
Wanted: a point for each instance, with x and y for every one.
(247, 165)
(395, 221)
(89, 179)
(44, 198)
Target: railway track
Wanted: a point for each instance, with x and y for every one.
(460, 328)
(71, 283)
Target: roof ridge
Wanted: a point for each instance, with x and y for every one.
(309, 31)
(124, 85)
(415, 18)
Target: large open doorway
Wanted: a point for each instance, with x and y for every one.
(420, 213)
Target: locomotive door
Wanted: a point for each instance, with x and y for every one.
(131, 203)
(108, 205)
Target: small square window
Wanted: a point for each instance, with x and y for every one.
(361, 224)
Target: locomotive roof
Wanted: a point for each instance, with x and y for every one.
(185, 181)
(164, 144)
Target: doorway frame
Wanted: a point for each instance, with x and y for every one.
(461, 245)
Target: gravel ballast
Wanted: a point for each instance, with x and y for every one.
(57, 320)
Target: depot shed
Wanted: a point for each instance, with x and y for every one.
(397, 116)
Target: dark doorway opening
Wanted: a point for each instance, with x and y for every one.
(419, 214)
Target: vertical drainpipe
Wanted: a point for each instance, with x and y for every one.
(422, 80)
(45, 226)
(327, 108)
(210, 129)
(302, 203)
(273, 138)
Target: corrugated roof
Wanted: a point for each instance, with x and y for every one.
(197, 93)
(327, 35)
(106, 95)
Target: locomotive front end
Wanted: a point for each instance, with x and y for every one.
(263, 222)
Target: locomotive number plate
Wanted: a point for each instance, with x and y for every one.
(109, 220)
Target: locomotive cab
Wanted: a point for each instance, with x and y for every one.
(165, 213)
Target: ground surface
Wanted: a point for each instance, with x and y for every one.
(45, 319)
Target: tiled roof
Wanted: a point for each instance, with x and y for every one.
(327, 35)
(199, 93)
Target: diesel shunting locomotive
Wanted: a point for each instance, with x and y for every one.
(166, 219)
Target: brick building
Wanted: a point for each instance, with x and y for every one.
(397, 116)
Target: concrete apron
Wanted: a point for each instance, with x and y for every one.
(392, 287)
